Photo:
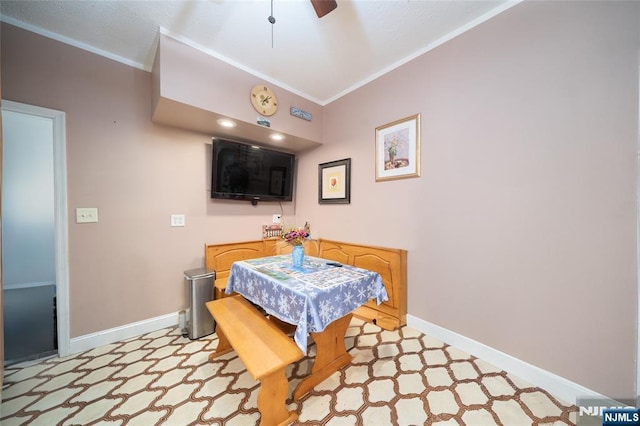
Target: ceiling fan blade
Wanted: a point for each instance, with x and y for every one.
(322, 7)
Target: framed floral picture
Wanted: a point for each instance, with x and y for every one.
(398, 149)
(334, 182)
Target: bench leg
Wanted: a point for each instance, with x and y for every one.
(331, 355)
(271, 400)
(223, 344)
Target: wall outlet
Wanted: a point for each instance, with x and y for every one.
(277, 218)
(177, 220)
(86, 215)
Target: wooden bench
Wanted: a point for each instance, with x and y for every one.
(220, 257)
(390, 263)
(264, 349)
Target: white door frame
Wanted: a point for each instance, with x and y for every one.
(638, 250)
(61, 213)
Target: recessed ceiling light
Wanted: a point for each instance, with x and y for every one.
(276, 137)
(225, 122)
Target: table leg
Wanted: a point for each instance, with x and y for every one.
(331, 355)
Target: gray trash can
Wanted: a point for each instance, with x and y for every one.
(200, 291)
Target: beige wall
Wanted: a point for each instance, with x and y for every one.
(129, 266)
(521, 230)
(224, 89)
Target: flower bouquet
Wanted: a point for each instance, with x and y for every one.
(297, 237)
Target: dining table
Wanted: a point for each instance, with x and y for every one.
(317, 299)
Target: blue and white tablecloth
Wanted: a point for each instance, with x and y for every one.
(310, 297)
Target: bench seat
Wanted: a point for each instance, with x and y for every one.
(264, 349)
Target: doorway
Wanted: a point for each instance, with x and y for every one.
(34, 237)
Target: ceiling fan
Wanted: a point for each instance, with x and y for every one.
(322, 7)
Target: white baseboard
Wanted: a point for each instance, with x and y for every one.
(561, 388)
(112, 335)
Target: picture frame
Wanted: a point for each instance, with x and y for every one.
(398, 149)
(334, 182)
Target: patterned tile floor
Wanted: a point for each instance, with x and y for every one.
(397, 377)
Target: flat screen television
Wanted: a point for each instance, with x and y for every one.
(241, 171)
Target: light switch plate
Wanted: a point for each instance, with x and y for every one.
(86, 215)
(177, 220)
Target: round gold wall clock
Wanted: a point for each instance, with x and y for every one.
(264, 100)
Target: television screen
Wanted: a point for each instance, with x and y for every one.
(246, 172)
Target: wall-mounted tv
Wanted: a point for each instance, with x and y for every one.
(241, 171)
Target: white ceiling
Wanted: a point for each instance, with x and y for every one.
(319, 59)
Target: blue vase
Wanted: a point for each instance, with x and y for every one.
(298, 256)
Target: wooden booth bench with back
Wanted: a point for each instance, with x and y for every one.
(390, 263)
(262, 343)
